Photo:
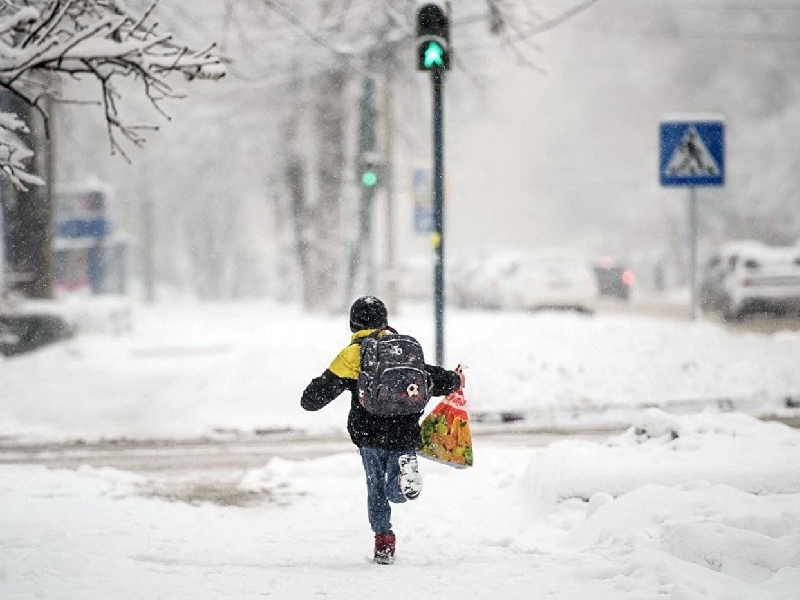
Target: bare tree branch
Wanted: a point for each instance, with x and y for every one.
(43, 41)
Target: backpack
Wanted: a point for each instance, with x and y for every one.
(393, 380)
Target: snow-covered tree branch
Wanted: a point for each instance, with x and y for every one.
(44, 41)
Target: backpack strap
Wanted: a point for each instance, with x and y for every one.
(375, 334)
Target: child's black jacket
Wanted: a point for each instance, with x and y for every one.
(366, 429)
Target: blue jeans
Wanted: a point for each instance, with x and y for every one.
(382, 471)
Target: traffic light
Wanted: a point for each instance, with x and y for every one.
(369, 176)
(433, 38)
(370, 171)
(368, 167)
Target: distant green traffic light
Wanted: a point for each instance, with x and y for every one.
(369, 178)
(434, 55)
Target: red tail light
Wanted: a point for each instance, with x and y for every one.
(627, 277)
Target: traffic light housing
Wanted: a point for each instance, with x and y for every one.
(433, 38)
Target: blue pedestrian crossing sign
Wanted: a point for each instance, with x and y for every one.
(692, 152)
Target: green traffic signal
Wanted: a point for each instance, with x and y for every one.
(369, 178)
(433, 36)
(434, 55)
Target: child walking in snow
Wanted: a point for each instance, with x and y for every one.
(386, 443)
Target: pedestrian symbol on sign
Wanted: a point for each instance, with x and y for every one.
(691, 157)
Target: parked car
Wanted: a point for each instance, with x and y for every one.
(613, 280)
(21, 333)
(712, 279)
(552, 279)
(527, 280)
(752, 277)
(478, 278)
(490, 283)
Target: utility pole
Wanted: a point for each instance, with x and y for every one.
(388, 157)
(370, 176)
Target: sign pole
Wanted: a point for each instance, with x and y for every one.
(693, 235)
(437, 81)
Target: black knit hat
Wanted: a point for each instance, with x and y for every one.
(368, 312)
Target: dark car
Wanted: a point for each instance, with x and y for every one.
(614, 281)
(20, 333)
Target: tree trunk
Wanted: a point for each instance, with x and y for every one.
(30, 213)
(330, 131)
(294, 174)
(318, 240)
(295, 181)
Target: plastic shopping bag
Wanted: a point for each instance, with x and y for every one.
(445, 433)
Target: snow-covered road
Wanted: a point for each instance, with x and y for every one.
(238, 452)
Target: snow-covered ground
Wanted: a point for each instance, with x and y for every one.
(186, 370)
(702, 506)
(679, 506)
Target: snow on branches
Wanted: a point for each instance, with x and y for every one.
(13, 151)
(45, 41)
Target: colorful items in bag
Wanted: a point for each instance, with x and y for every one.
(445, 434)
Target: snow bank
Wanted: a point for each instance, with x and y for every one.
(728, 449)
(696, 506)
(660, 532)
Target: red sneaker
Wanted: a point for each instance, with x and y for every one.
(384, 548)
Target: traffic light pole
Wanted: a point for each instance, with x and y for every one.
(433, 54)
(437, 82)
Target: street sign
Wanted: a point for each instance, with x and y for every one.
(421, 186)
(423, 220)
(692, 152)
(82, 228)
(81, 214)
